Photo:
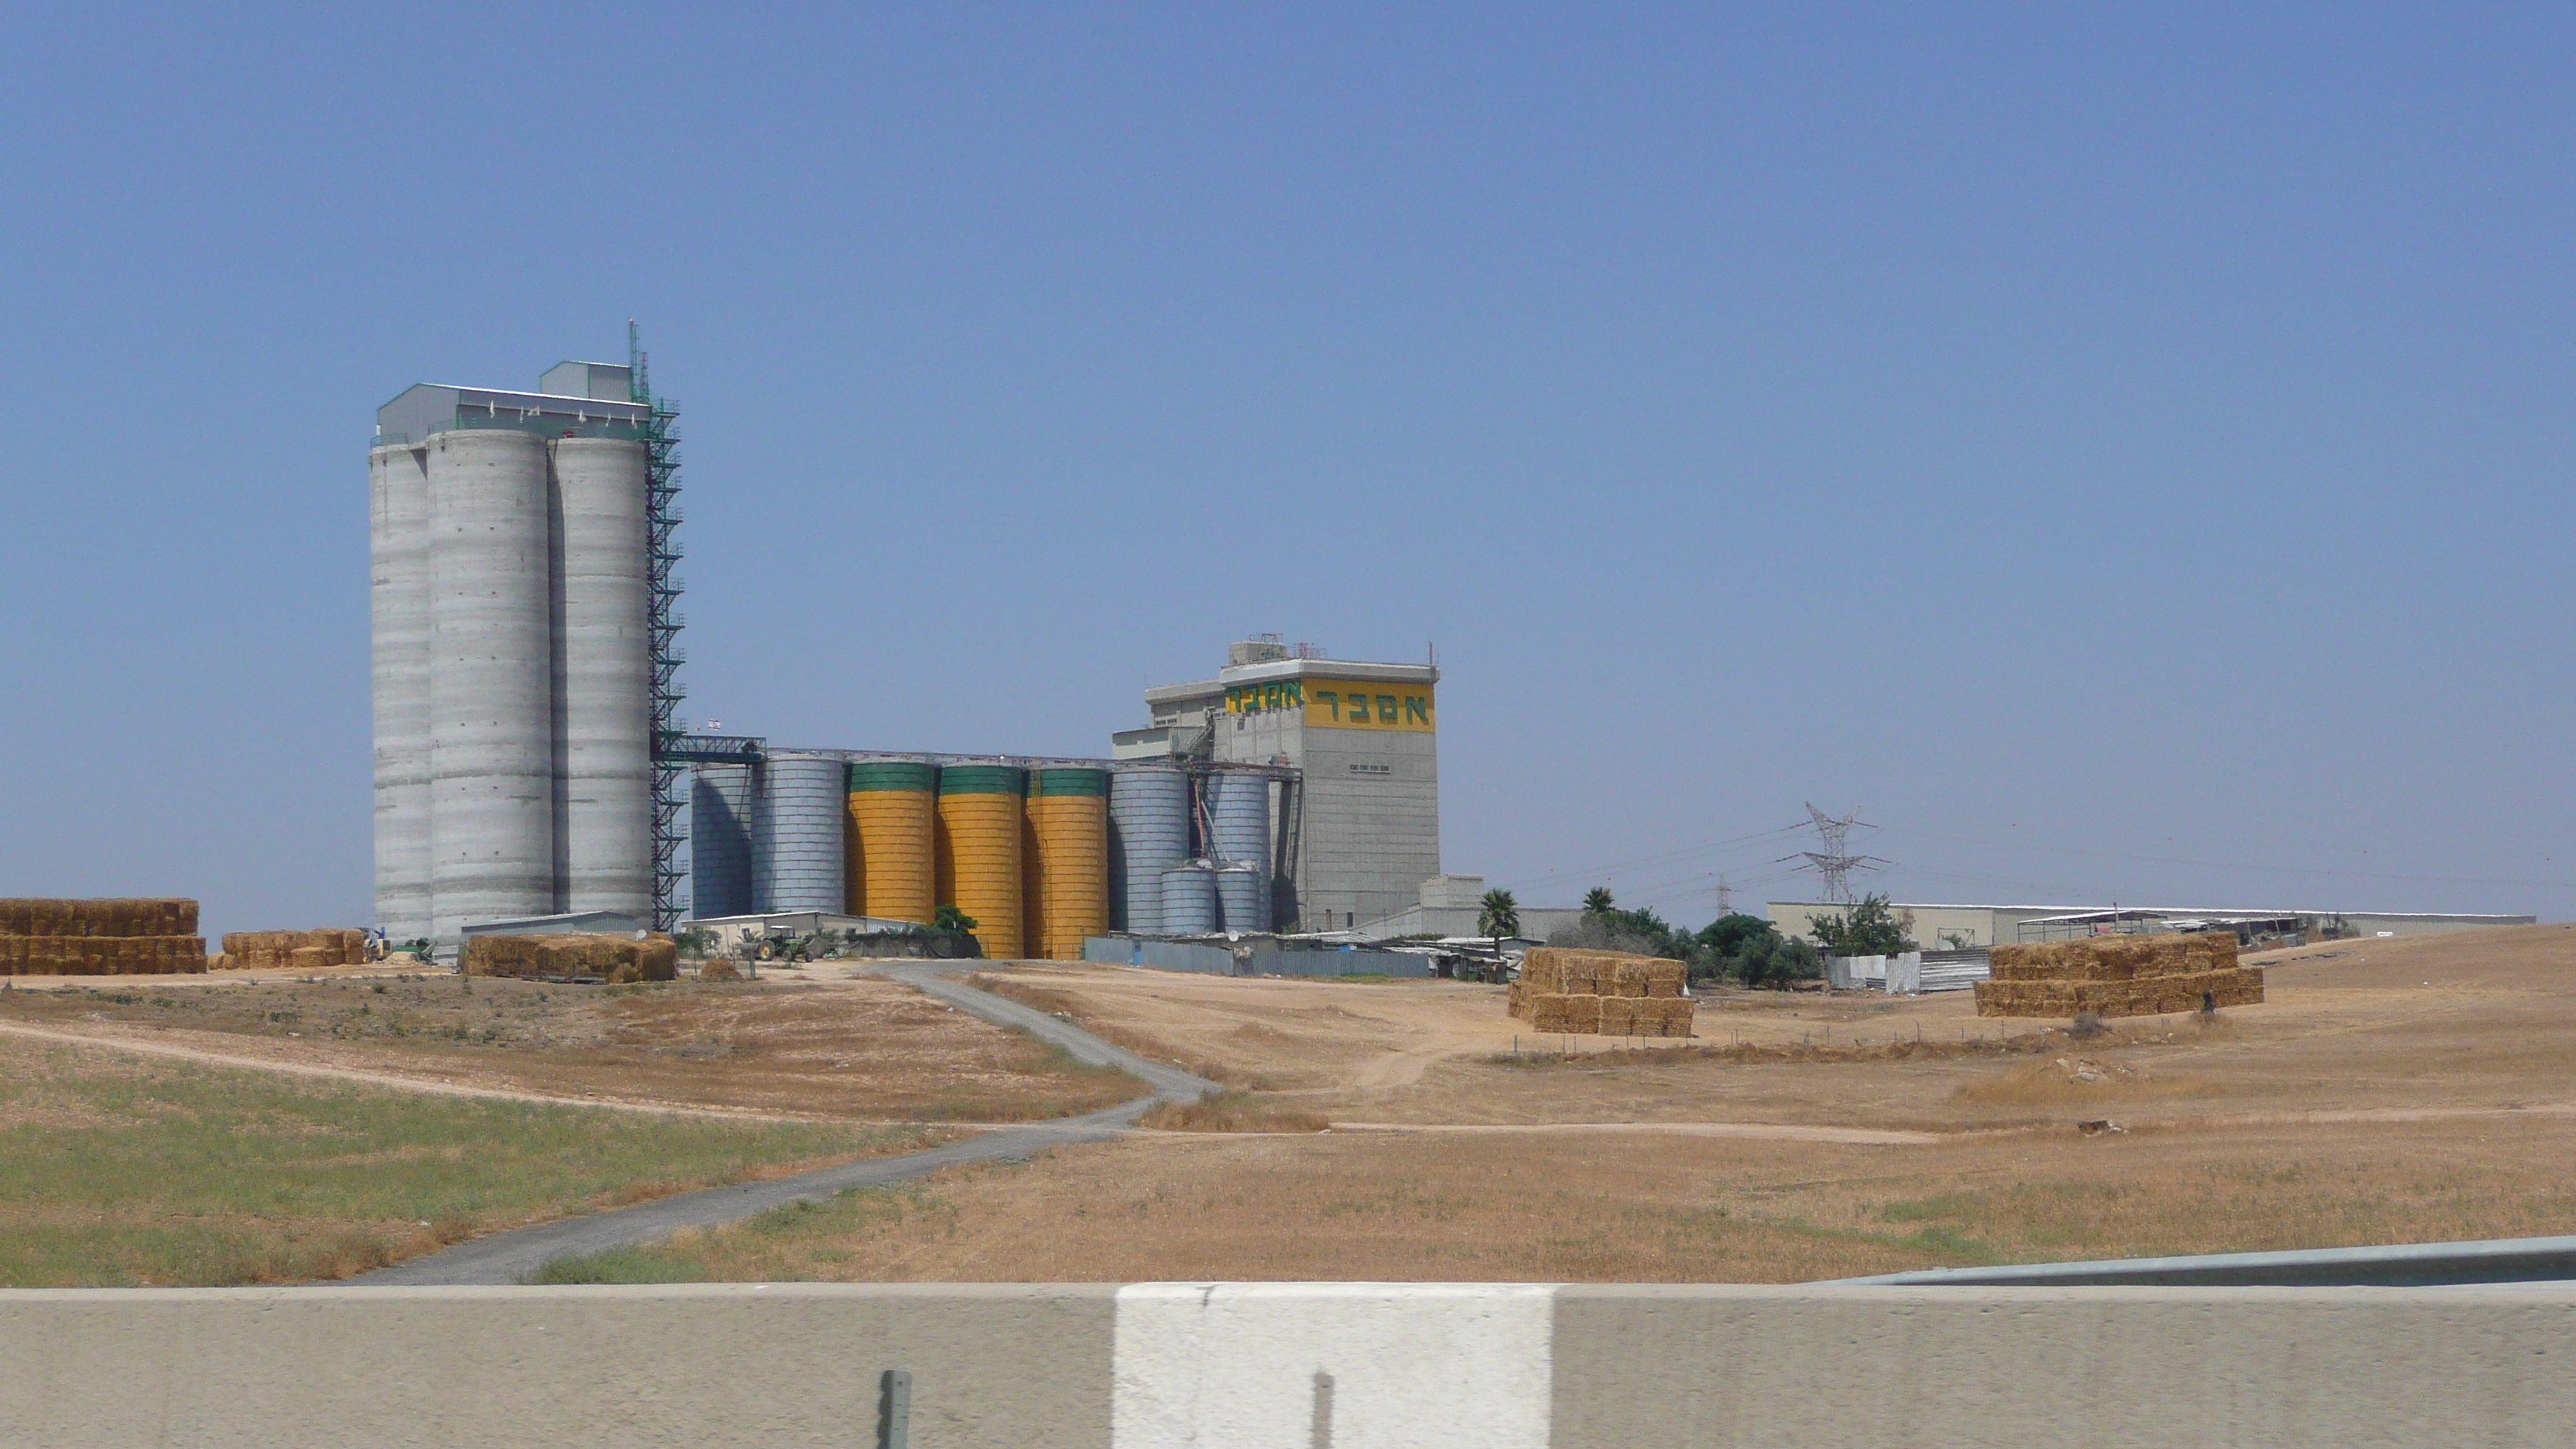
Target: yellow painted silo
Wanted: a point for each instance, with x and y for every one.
(1033, 930)
(978, 851)
(892, 825)
(1069, 810)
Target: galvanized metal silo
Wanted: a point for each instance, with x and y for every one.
(398, 602)
(1149, 830)
(1068, 811)
(1188, 889)
(722, 806)
(604, 679)
(1239, 824)
(492, 769)
(892, 825)
(797, 847)
(978, 850)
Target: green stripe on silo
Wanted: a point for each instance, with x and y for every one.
(981, 780)
(893, 775)
(1071, 782)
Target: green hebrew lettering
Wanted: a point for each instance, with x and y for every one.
(1332, 701)
(1386, 709)
(1416, 708)
(1295, 691)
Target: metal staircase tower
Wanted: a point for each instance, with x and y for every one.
(662, 627)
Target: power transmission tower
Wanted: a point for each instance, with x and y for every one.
(1725, 896)
(1835, 862)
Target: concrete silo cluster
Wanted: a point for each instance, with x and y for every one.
(527, 764)
(513, 663)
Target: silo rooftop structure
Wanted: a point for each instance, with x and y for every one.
(515, 586)
(1363, 737)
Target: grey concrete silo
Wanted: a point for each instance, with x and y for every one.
(722, 805)
(1239, 819)
(491, 697)
(797, 848)
(1189, 898)
(1149, 830)
(398, 606)
(603, 679)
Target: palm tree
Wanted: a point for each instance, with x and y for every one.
(1597, 902)
(1500, 916)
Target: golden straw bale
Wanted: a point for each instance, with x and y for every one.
(1618, 1016)
(1567, 1013)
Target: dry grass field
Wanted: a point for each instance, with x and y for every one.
(120, 1169)
(829, 1048)
(2389, 1091)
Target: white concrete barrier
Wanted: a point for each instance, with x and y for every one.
(1288, 1366)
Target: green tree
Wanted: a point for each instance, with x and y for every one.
(1500, 915)
(1597, 901)
(1867, 929)
(1728, 935)
(954, 921)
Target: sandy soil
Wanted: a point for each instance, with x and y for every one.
(822, 1044)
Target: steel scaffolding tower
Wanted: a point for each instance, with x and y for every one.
(662, 627)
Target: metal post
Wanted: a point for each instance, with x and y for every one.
(894, 1410)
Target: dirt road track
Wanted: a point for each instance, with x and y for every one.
(145, 1046)
(1777, 1132)
(509, 1257)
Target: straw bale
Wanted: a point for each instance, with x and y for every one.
(2142, 996)
(1516, 999)
(718, 969)
(146, 917)
(1567, 1013)
(1618, 1016)
(104, 955)
(611, 958)
(1663, 1016)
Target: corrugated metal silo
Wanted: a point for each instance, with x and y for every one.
(892, 824)
(1149, 830)
(721, 810)
(492, 773)
(398, 597)
(978, 851)
(1239, 819)
(1069, 807)
(1033, 866)
(1188, 890)
(799, 837)
(604, 823)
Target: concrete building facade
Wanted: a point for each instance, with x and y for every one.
(1364, 737)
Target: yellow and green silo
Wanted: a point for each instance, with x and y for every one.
(1033, 864)
(978, 851)
(1068, 830)
(892, 829)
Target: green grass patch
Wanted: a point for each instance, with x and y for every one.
(121, 1171)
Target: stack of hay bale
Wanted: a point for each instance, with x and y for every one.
(1603, 993)
(2119, 976)
(292, 950)
(564, 955)
(100, 938)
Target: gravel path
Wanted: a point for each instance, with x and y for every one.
(508, 1257)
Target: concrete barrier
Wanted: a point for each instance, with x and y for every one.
(1288, 1366)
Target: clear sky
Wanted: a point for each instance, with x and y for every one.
(2121, 451)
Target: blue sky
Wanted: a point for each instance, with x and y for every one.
(2120, 452)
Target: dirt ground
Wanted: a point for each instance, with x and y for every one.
(2388, 1091)
(820, 1044)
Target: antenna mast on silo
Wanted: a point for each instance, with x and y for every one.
(662, 623)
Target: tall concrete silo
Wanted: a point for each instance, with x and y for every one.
(398, 603)
(491, 679)
(515, 539)
(722, 806)
(1239, 821)
(603, 679)
(1149, 831)
(803, 818)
